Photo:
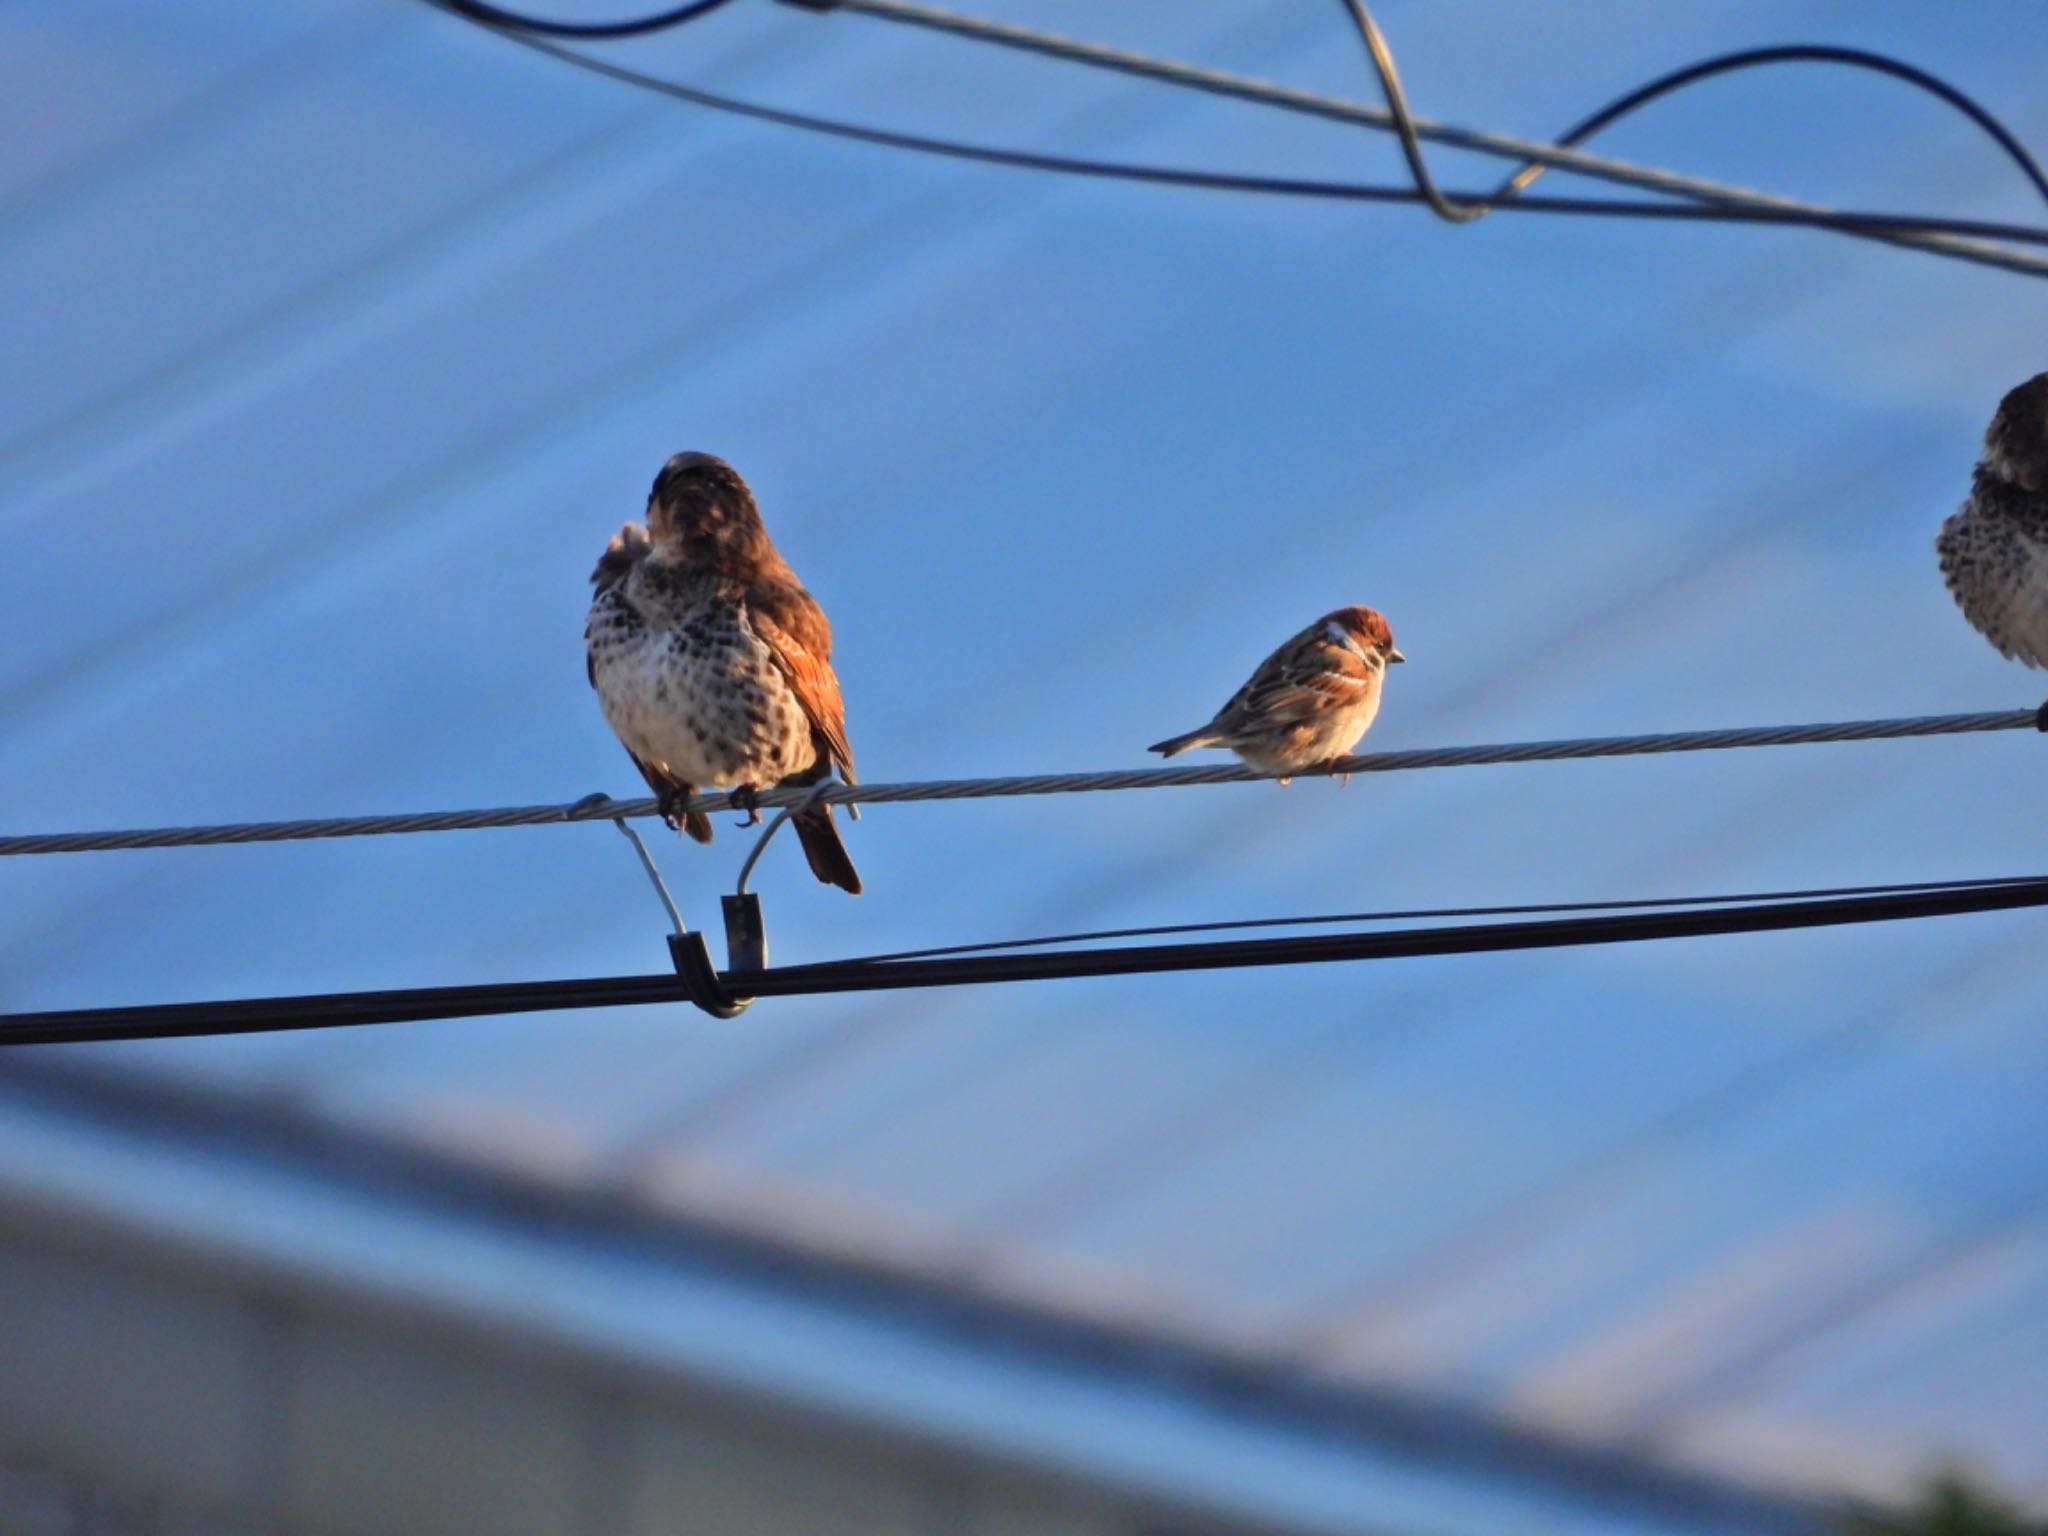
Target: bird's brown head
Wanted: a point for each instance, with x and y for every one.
(701, 512)
(1365, 630)
(2016, 446)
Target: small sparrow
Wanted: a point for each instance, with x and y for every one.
(1994, 549)
(712, 663)
(1309, 701)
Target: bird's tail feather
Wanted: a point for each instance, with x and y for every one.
(1205, 737)
(819, 834)
(697, 824)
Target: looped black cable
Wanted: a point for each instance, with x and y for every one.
(1795, 53)
(1866, 225)
(496, 16)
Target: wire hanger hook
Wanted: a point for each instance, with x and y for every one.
(592, 802)
(809, 802)
(686, 949)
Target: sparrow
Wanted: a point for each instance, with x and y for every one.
(1308, 702)
(1994, 548)
(712, 663)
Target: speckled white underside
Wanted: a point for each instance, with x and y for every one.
(704, 702)
(1998, 573)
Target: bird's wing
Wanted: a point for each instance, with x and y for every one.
(794, 628)
(626, 549)
(1307, 677)
(609, 608)
(610, 613)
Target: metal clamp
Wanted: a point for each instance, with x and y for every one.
(701, 982)
(746, 938)
(746, 944)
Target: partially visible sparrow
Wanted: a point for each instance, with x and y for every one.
(1309, 701)
(1994, 549)
(712, 663)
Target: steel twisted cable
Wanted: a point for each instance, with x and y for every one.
(597, 808)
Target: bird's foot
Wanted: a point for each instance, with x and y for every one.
(747, 797)
(669, 804)
(2041, 718)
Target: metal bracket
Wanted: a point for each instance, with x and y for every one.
(746, 934)
(746, 939)
(746, 945)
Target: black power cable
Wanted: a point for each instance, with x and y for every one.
(1867, 224)
(1416, 914)
(491, 15)
(1176, 72)
(1461, 211)
(254, 1015)
(1796, 53)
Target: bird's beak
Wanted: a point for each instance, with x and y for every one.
(1395, 656)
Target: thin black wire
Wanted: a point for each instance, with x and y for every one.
(1852, 222)
(263, 1015)
(1526, 909)
(1458, 211)
(1463, 212)
(1796, 53)
(1237, 87)
(491, 15)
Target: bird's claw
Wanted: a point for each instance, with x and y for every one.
(747, 797)
(669, 806)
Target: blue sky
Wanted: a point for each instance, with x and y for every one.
(342, 336)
